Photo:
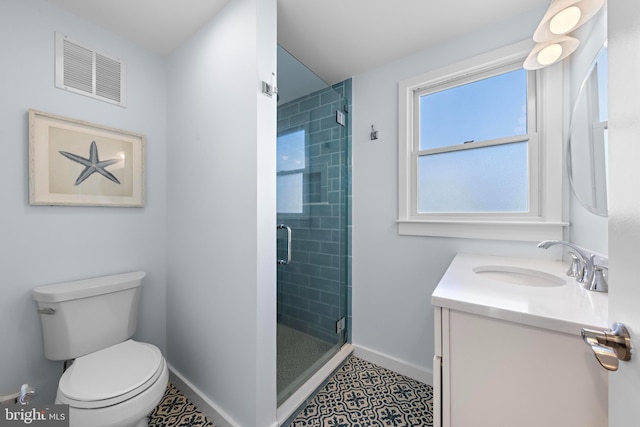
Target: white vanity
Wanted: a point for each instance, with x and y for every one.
(508, 349)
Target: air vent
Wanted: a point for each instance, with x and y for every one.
(82, 70)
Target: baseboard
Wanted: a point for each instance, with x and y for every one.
(410, 370)
(204, 404)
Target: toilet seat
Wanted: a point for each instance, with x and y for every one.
(110, 376)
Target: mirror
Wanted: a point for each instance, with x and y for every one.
(588, 140)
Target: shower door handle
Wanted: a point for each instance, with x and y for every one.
(288, 258)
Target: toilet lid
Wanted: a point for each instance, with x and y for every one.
(110, 373)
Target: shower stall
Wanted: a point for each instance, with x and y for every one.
(312, 222)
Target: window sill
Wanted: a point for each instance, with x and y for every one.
(529, 231)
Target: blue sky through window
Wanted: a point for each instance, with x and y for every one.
(290, 158)
(291, 153)
(491, 108)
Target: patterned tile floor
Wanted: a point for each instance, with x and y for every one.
(175, 410)
(360, 394)
(363, 394)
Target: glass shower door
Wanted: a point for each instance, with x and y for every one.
(311, 222)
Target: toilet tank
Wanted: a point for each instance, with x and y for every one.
(88, 315)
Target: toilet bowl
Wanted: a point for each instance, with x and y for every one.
(113, 381)
(114, 387)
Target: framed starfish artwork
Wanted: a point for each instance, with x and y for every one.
(78, 163)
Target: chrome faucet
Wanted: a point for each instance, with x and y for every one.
(592, 276)
(586, 260)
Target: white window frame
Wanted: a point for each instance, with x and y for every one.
(545, 217)
(531, 138)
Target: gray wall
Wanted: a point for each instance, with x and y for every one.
(41, 244)
(393, 275)
(221, 302)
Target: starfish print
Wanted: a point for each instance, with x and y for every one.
(92, 164)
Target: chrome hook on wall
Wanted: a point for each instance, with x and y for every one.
(270, 89)
(374, 133)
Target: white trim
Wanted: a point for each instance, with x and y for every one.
(491, 230)
(527, 137)
(437, 366)
(468, 76)
(299, 398)
(445, 373)
(473, 65)
(215, 414)
(545, 220)
(402, 367)
(437, 391)
(551, 113)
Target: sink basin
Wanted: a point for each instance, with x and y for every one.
(519, 276)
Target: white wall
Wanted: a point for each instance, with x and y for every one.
(394, 276)
(587, 229)
(40, 244)
(221, 159)
(219, 147)
(221, 186)
(624, 225)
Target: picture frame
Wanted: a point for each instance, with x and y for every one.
(77, 163)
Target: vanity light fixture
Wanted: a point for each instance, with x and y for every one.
(564, 16)
(545, 54)
(553, 43)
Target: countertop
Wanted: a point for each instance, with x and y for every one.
(567, 308)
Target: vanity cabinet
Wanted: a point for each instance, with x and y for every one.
(504, 359)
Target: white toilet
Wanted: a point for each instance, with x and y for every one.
(113, 381)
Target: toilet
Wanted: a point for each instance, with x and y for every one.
(113, 381)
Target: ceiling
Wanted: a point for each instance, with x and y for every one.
(336, 39)
(159, 26)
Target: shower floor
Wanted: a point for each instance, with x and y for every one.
(299, 356)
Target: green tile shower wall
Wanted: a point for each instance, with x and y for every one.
(312, 290)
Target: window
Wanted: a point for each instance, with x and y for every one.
(477, 144)
(302, 174)
(473, 149)
(290, 166)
